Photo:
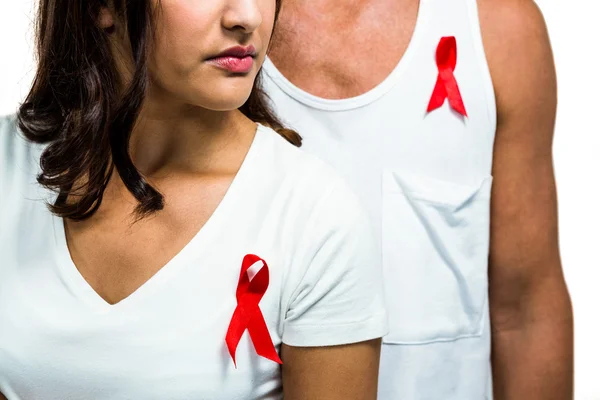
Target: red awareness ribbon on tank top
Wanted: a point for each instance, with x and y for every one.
(247, 314)
(446, 85)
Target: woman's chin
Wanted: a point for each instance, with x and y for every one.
(224, 101)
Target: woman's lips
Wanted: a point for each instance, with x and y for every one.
(238, 65)
(236, 59)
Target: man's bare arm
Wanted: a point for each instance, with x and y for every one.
(532, 322)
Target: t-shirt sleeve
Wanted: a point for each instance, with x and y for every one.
(337, 296)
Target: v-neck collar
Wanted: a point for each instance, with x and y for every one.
(83, 291)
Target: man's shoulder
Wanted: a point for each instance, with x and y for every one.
(514, 18)
(513, 30)
(518, 51)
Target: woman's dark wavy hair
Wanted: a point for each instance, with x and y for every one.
(78, 107)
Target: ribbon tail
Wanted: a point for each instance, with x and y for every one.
(438, 96)
(236, 329)
(454, 96)
(261, 338)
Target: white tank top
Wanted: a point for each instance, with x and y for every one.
(425, 179)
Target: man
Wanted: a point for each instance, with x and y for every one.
(473, 274)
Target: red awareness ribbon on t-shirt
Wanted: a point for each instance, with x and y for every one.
(446, 85)
(247, 314)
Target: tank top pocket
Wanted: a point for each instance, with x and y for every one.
(435, 242)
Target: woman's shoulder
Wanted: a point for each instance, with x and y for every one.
(19, 158)
(294, 163)
(15, 149)
(8, 133)
(8, 129)
(333, 259)
(313, 186)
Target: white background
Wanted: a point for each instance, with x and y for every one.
(575, 33)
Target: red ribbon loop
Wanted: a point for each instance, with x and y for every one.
(446, 85)
(247, 314)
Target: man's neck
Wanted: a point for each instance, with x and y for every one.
(328, 5)
(326, 10)
(340, 49)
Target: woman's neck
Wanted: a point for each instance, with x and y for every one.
(188, 139)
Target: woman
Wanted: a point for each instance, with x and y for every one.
(188, 249)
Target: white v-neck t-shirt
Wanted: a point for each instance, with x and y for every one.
(60, 340)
